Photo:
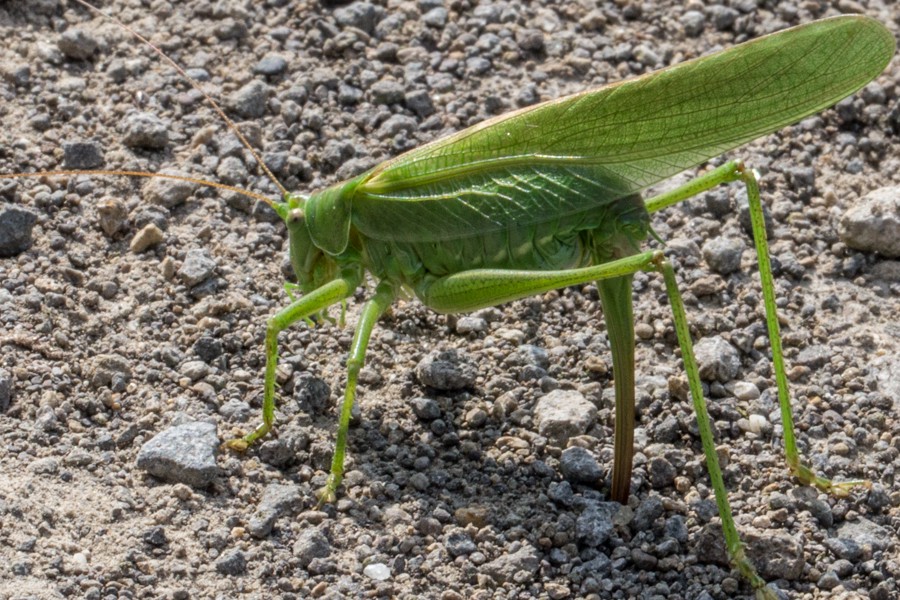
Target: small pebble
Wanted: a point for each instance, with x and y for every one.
(232, 562)
(198, 266)
(77, 44)
(250, 101)
(377, 571)
(182, 454)
(78, 156)
(311, 544)
(15, 230)
(271, 65)
(872, 224)
(717, 359)
(563, 414)
(446, 370)
(579, 466)
(145, 131)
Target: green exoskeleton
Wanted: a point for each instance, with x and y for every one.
(549, 196)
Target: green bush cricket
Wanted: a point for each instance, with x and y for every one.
(548, 197)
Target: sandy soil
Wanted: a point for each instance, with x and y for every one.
(470, 504)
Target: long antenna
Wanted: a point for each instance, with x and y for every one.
(203, 182)
(196, 86)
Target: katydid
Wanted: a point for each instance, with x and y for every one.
(549, 196)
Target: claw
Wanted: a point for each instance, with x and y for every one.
(236, 445)
(328, 493)
(839, 489)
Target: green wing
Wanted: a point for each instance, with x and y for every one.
(602, 144)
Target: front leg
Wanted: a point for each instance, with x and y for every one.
(310, 304)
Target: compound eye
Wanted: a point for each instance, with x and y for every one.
(296, 216)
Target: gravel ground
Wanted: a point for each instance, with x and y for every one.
(140, 310)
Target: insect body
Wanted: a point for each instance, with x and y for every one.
(548, 196)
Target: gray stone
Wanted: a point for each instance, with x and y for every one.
(77, 44)
(717, 359)
(563, 414)
(595, 523)
(668, 431)
(723, 17)
(814, 357)
(777, 555)
(208, 348)
(311, 393)
(419, 101)
(530, 40)
(579, 466)
(194, 370)
(561, 492)
(109, 370)
(446, 370)
(643, 560)
(723, 255)
(744, 390)
(467, 325)
(44, 466)
(645, 55)
(6, 387)
(394, 125)
(231, 170)
(284, 450)
(489, 13)
(387, 91)
(522, 564)
(145, 130)
(477, 65)
(426, 408)
(311, 544)
(693, 22)
(529, 354)
(647, 513)
(886, 590)
(251, 100)
(873, 223)
(155, 536)
(80, 156)
(336, 152)
(436, 17)
(236, 410)
(349, 95)
(198, 266)
(362, 15)
(828, 581)
(168, 193)
(662, 473)
(458, 543)
(271, 65)
(182, 454)
(16, 225)
(278, 499)
(860, 539)
(232, 562)
(676, 528)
